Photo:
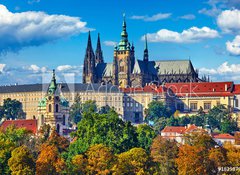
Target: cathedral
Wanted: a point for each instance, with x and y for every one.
(127, 71)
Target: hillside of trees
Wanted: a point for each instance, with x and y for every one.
(104, 144)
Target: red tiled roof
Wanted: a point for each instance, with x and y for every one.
(30, 125)
(201, 89)
(191, 128)
(177, 129)
(181, 129)
(222, 136)
(236, 89)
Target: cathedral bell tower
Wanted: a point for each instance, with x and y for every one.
(123, 59)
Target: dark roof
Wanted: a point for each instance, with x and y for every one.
(104, 70)
(163, 67)
(70, 87)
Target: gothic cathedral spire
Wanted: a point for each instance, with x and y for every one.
(145, 56)
(98, 53)
(89, 63)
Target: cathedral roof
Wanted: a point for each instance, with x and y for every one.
(104, 69)
(163, 67)
(139, 67)
(170, 66)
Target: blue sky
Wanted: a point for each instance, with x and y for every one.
(39, 35)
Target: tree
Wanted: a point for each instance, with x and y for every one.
(145, 136)
(237, 138)
(60, 142)
(44, 133)
(100, 160)
(89, 107)
(197, 120)
(21, 161)
(190, 160)
(156, 110)
(184, 121)
(172, 121)
(78, 165)
(134, 161)
(13, 109)
(107, 129)
(164, 152)
(49, 161)
(9, 140)
(233, 154)
(75, 110)
(228, 126)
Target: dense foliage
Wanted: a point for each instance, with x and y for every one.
(11, 109)
(104, 144)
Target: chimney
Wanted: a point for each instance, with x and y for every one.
(226, 87)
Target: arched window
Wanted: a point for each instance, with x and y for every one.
(56, 107)
(42, 120)
(49, 108)
(121, 66)
(64, 120)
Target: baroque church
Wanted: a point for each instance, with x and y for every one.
(127, 71)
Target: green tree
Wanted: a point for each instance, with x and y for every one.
(145, 136)
(156, 110)
(21, 161)
(89, 107)
(107, 129)
(13, 109)
(9, 140)
(228, 126)
(75, 110)
(172, 121)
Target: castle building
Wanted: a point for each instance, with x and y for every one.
(127, 71)
(53, 109)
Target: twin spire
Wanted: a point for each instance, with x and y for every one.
(98, 58)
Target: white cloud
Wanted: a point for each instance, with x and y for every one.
(234, 46)
(224, 68)
(33, 1)
(214, 11)
(64, 67)
(110, 43)
(2, 66)
(155, 17)
(224, 72)
(193, 34)
(31, 28)
(229, 21)
(188, 17)
(35, 69)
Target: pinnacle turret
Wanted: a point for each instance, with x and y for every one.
(53, 85)
(98, 53)
(145, 56)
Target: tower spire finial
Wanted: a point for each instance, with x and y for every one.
(145, 55)
(98, 53)
(146, 43)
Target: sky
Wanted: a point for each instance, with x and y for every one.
(37, 36)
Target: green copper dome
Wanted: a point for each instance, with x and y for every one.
(124, 44)
(53, 85)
